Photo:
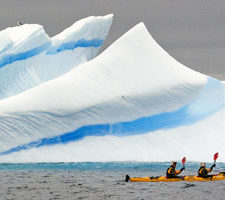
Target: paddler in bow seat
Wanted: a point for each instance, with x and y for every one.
(172, 172)
(203, 171)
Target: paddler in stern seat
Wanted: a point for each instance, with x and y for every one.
(172, 172)
(203, 171)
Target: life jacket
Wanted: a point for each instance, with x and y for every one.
(202, 172)
(170, 172)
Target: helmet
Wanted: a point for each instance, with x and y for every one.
(202, 164)
(174, 163)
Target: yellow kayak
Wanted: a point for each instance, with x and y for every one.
(216, 177)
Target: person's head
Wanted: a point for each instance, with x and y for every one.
(174, 164)
(202, 164)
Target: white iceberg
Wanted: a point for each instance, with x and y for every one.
(132, 102)
(28, 57)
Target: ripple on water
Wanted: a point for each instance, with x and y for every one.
(100, 183)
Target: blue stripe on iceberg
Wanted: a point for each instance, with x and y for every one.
(75, 44)
(8, 59)
(210, 100)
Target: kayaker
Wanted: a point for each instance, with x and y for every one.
(203, 171)
(172, 172)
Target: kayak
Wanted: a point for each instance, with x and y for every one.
(215, 177)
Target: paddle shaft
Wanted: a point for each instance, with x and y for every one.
(183, 161)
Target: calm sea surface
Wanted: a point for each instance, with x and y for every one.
(100, 181)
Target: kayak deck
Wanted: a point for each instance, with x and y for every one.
(216, 177)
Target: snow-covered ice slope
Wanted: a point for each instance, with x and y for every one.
(132, 102)
(28, 57)
(14, 41)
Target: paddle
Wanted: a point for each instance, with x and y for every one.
(184, 161)
(216, 155)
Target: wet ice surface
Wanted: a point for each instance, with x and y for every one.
(100, 183)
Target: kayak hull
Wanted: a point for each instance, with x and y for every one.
(216, 177)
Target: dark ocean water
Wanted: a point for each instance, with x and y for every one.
(100, 181)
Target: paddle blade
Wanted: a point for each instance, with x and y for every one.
(184, 160)
(216, 155)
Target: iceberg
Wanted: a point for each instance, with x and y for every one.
(131, 102)
(28, 57)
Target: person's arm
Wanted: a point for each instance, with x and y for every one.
(209, 170)
(179, 171)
